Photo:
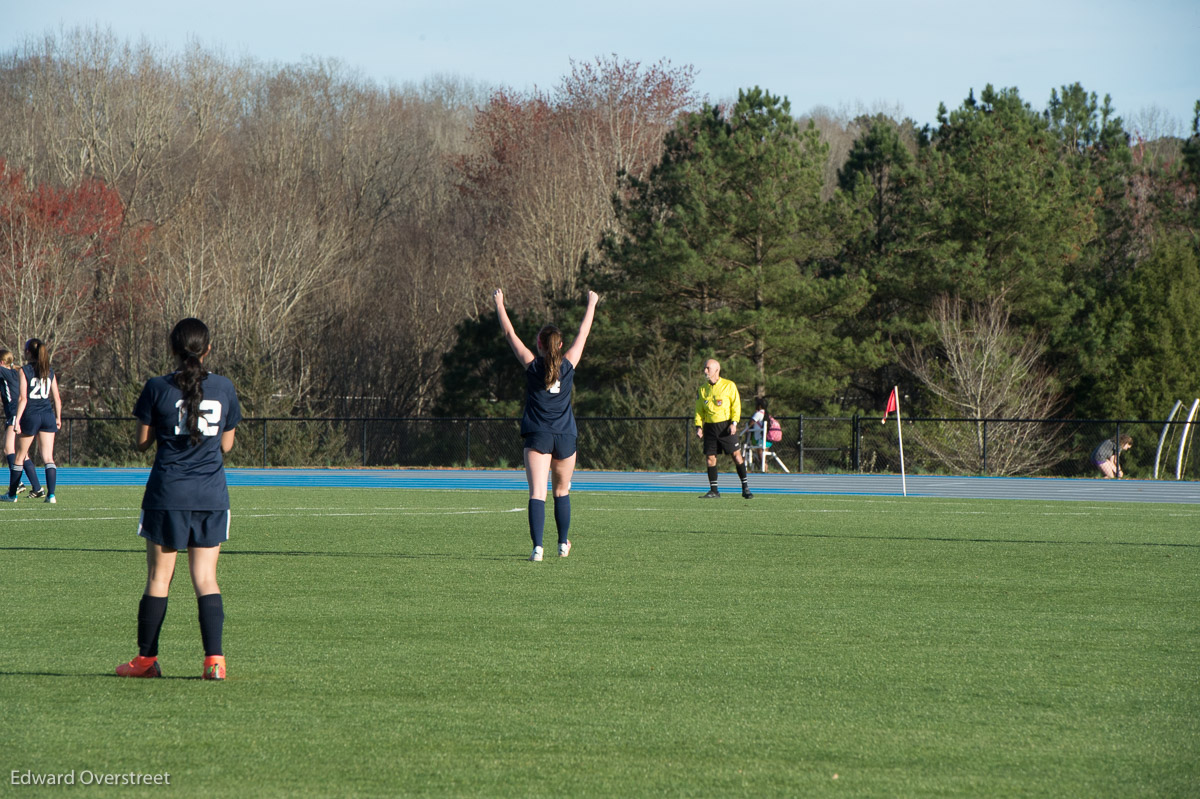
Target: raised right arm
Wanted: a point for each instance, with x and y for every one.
(518, 347)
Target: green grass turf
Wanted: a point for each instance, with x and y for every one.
(388, 643)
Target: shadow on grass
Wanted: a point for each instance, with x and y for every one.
(288, 553)
(393, 555)
(105, 675)
(71, 549)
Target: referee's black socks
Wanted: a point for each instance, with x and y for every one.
(712, 478)
(741, 470)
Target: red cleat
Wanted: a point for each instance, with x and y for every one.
(214, 667)
(140, 667)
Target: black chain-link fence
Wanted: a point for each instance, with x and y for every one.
(812, 444)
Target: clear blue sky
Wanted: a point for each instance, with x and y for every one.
(873, 54)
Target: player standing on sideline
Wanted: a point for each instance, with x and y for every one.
(718, 408)
(193, 415)
(548, 424)
(39, 413)
(10, 395)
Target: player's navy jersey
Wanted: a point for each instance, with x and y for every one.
(38, 398)
(548, 410)
(187, 477)
(10, 390)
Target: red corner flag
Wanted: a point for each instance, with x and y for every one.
(893, 404)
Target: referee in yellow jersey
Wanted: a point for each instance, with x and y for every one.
(718, 409)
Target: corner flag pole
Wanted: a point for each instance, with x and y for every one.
(893, 404)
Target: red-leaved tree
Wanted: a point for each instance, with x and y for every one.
(60, 249)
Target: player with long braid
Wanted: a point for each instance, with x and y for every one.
(192, 415)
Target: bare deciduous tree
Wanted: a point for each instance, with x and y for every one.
(982, 369)
(300, 204)
(546, 165)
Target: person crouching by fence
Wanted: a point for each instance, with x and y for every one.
(1106, 456)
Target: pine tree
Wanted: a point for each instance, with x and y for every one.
(1160, 366)
(1013, 212)
(728, 244)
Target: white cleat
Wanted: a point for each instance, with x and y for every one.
(564, 549)
(51, 500)
(537, 555)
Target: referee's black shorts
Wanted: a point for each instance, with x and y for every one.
(717, 438)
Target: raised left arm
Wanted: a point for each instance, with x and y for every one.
(576, 350)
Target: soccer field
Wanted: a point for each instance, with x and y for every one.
(386, 642)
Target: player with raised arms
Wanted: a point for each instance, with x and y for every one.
(39, 413)
(192, 415)
(548, 423)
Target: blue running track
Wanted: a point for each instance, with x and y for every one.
(1041, 488)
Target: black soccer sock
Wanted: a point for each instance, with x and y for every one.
(14, 481)
(12, 460)
(51, 477)
(741, 470)
(212, 621)
(562, 516)
(537, 520)
(151, 612)
(712, 478)
(31, 473)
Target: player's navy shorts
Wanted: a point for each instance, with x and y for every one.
(34, 422)
(10, 418)
(557, 445)
(180, 529)
(717, 438)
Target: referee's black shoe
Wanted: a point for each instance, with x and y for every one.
(712, 494)
(747, 495)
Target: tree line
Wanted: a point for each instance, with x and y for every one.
(342, 239)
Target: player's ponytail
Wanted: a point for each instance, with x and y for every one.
(38, 354)
(549, 341)
(189, 341)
